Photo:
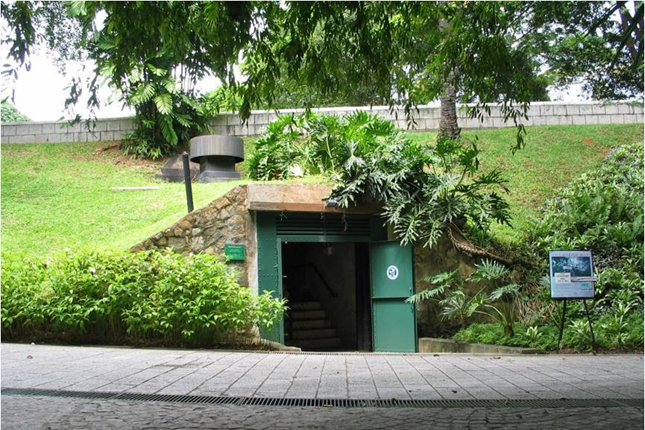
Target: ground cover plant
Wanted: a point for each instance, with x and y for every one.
(122, 297)
(496, 296)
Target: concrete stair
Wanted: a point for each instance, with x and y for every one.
(312, 330)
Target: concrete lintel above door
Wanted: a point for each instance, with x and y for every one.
(298, 198)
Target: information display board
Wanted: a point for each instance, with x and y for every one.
(571, 274)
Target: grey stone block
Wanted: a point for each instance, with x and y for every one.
(51, 128)
(25, 138)
(112, 125)
(623, 108)
(586, 109)
(8, 130)
(232, 119)
(591, 119)
(611, 109)
(466, 123)
(120, 135)
(632, 118)
(497, 122)
(546, 110)
(93, 137)
(219, 120)
(552, 120)
(101, 126)
(39, 138)
(126, 125)
(578, 119)
(573, 110)
(36, 129)
(22, 130)
(598, 110)
(495, 112)
(559, 110)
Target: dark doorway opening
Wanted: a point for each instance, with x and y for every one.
(327, 287)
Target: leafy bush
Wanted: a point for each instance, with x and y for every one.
(11, 114)
(167, 116)
(423, 189)
(601, 212)
(310, 144)
(148, 296)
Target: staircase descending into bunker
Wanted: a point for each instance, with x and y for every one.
(309, 328)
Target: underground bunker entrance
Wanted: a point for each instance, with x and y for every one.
(327, 287)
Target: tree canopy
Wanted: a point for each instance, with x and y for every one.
(398, 53)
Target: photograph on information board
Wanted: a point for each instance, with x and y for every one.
(571, 275)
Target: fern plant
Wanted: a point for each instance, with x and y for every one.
(496, 299)
(449, 293)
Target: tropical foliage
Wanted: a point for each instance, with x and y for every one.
(601, 212)
(129, 298)
(496, 298)
(152, 54)
(423, 189)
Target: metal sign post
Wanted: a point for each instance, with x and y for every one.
(572, 278)
(187, 181)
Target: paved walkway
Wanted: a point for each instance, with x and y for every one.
(327, 376)
(360, 376)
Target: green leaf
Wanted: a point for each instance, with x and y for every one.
(167, 129)
(142, 94)
(164, 103)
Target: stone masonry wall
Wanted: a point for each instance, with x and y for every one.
(209, 229)
(427, 119)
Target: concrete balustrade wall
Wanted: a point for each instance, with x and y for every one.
(427, 119)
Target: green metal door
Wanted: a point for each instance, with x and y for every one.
(392, 278)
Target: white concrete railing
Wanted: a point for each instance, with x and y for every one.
(427, 119)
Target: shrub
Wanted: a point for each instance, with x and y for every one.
(11, 114)
(601, 212)
(424, 189)
(148, 296)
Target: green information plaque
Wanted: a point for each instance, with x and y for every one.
(235, 252)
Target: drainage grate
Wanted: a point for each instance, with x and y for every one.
(333, 403)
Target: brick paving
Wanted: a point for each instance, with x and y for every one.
(355, 376)
(55, 413)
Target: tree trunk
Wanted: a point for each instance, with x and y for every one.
(448, 126)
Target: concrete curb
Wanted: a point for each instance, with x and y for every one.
(436, 345)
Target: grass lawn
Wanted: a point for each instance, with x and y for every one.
(57, 196)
